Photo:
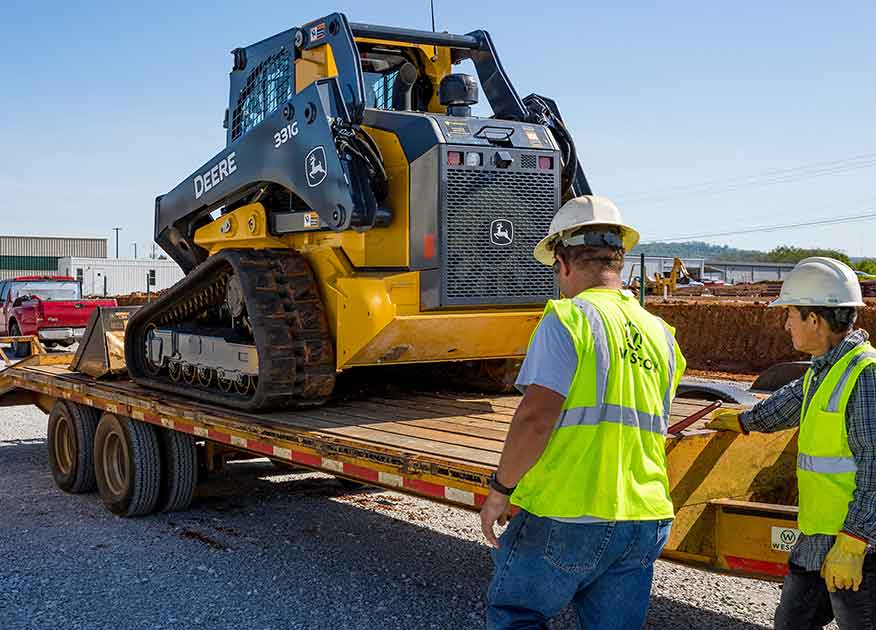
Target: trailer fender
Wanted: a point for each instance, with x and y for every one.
(708, 390)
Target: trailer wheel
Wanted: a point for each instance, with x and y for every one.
(20, 349)
(179, 470)
(127, 463)
(71, 446)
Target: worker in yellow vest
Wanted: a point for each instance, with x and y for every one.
(831, 572)
(584, 460)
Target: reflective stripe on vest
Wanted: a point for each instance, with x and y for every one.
(667, 397)
(837, 394)
(604, 412)
(827, 465)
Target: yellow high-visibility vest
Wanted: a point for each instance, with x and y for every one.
(825, 466)
(606, 457)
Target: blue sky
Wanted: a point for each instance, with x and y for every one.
(683, 113)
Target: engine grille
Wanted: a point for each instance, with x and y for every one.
(481, 269)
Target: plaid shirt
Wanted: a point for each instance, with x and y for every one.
(782, 411)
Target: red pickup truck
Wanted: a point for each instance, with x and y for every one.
(50, 307)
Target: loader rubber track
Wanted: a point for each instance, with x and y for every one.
(296, 362)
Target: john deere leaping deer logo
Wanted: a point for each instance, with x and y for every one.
(501, 232)
(315, 166)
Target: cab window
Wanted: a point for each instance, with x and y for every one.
(379, 70)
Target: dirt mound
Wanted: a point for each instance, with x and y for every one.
(765, 289)
(736, 336)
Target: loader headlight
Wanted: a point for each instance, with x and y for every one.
(473, 159)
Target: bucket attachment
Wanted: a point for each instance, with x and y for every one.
(102, 350)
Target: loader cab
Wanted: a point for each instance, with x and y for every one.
(408, 77)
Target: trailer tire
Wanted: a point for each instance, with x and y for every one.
(127, 463)
(71, 446)
(179, 470)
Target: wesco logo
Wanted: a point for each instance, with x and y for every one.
(633, 350)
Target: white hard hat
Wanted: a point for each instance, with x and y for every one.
(820, 281)
(584, 211)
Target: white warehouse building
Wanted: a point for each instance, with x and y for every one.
(120, 276)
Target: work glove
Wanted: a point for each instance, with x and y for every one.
(725, 420)
(844, 563)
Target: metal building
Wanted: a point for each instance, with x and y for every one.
(734, 272)
(120, 276)
(31, 255)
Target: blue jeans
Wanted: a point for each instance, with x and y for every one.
(806, 603)
(603, 569)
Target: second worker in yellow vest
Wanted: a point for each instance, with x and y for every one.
(831, 574)
(585, 455)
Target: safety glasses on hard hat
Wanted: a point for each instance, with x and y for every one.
(593, 238)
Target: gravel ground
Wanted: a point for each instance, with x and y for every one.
(263, 550)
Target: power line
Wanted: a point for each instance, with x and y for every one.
(767, 178)
(851, 163)
(858, 218)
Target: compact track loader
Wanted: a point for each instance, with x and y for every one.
(359, 215)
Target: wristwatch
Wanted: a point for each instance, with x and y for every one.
(496, 485)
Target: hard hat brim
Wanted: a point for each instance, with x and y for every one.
(788, 301)
(544, 251)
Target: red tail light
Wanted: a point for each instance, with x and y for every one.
(545, 162)
(430, 245)
(454, 158)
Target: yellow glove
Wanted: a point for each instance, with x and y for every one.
(725, 420)
(844, 563)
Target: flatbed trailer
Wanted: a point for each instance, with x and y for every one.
(733, 494)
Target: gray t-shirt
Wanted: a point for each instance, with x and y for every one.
(551, 362)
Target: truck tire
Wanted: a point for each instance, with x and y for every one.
(20, 349)
(127, 463)
(71, 446)
(179, 470)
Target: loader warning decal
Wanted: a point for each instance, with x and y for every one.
(784, 538)
(314, 166)
(317, 32)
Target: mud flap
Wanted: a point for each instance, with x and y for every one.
(102, 350)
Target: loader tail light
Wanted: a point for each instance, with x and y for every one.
(430, 245)
(545, 162)
(454, 158)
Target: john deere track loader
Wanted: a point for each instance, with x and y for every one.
(359, 215)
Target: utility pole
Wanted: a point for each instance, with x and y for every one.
(153, 251)
(117, 230)
(135, 251)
